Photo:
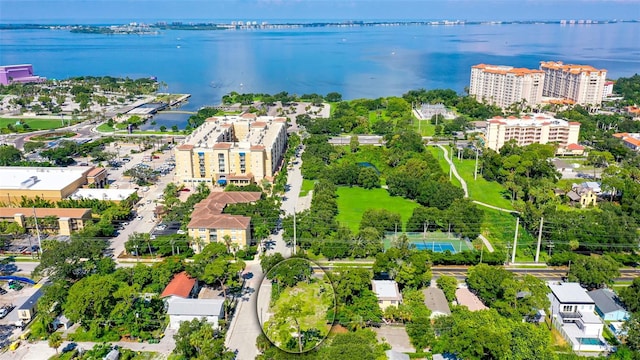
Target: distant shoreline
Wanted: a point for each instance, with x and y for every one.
(144, 28)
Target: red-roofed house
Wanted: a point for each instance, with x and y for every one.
(181, 286)
(630, 140)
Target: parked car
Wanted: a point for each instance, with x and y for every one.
(3, 291)
(70, 347)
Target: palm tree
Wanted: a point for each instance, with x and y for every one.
(227, 242)
(55, 340)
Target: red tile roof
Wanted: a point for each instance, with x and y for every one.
(96, 171)
(575, 147)
(248, 116)
(185, 147)
(222, 146)
(208, 212)
(181, 286)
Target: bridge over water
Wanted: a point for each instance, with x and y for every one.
(177, 112)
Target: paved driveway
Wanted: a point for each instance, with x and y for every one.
(396, 336)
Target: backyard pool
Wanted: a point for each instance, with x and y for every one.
(590, 341)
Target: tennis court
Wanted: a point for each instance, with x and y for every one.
(433, 241)
(435, 247)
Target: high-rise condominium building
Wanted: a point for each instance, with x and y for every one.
(540, 128)
(506, 85)
(582, 84)
(232, 149)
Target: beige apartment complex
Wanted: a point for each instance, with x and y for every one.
(582, 84)
(208, 224)
(539, 128)
(505, 85)
(232, 149)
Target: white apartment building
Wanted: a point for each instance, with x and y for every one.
(232, 149)
(582, 84)
(607, 89)
(538, 128)
(505, 85)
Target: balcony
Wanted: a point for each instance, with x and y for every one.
(570, 316)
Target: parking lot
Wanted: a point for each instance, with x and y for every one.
(16, 298)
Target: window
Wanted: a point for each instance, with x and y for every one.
(567, 308)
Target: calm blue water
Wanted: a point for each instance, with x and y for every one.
(357, 62)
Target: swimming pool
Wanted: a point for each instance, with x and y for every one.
(590, 341)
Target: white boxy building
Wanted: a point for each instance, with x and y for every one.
(573, 314)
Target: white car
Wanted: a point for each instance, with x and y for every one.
(139, 217)
(3, 313)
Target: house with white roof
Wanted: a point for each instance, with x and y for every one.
(387, 293)
(573, 314)
(180, 310)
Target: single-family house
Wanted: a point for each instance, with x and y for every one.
(435, 301)
(179, 310)
(573, 314)
(608, 306)
(387, 293)
(181, 286)
(585, 194)
(27, 311)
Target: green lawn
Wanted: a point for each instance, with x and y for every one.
(424, 127)
(488, 192)
(307, 185)
(352, 203)
(437, 153)
(105, 128)
(499, 228)
(35, 124)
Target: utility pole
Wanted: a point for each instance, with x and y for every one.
(515, 241)
(35, 218)
(508, 248)
(293, 252)
(475, 171)
(539, 240)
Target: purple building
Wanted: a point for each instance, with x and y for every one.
(18, 73)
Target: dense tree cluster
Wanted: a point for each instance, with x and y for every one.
(357, 304)
(410, 268)
(488, 335)
(510, 296)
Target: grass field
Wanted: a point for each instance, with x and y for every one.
(307, 185)
(424, 127)
(352, 203)
(500, 227)
(437, 153)
(34, 124)
(488, 192)
(105, 128)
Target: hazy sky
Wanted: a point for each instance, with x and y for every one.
(87, 11)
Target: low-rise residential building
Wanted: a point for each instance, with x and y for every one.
(208, 224)
(634, 111)
(179, 310)
(181, 286)
(57, 221)
(607, 90)
(387, 293)
(582, 84)
(27, 311)
(608, 305)
(435, 301)
(573, 314)
(504, 86)
(585, 194)
(630, 140)
(531, 129)
(232, 149)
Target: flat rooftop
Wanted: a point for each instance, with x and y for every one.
(216, 130)
(386, 289)
(103, 194)
(571, 293)
(39, 178)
